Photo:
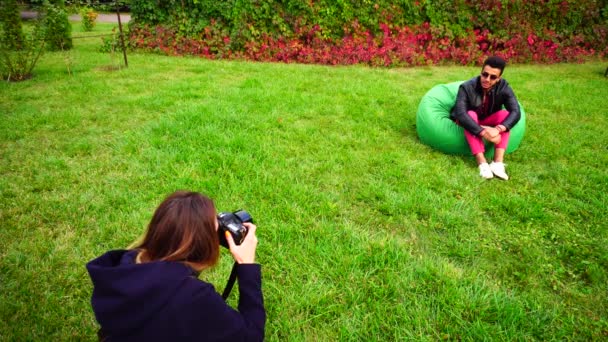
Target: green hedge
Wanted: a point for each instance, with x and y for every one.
(245, 21)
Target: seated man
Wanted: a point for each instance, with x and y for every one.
(478, 110)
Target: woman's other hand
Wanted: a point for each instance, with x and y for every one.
(245, 252)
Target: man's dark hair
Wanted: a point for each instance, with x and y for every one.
(495, 62)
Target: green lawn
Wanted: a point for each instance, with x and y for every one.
(365, 233)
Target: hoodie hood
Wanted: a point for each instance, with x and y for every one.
(126, 294)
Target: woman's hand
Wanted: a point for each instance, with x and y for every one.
(245, 252)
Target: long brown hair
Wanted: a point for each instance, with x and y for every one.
(182, 229)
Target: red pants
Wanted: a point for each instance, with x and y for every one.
(476, 142)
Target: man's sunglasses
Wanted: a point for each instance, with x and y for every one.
(486, 75)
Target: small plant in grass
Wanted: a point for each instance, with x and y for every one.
(68, 60)
(111, 43)
(89, 18)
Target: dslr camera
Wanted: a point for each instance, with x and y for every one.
(233, 224)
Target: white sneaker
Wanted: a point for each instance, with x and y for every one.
(485, 171)
(498, 169)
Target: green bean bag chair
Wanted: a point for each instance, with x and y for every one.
(436, 129)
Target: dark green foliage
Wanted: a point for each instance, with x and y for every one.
(12, 35)
(188, 16)
(58, 27)
(106, 5)
(98, 5)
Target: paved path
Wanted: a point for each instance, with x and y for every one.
(102, 18)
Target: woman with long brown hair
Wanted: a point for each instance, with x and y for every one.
(152, 292)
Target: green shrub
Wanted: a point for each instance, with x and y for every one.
(58, 27)
(12, 36)
(18, 65)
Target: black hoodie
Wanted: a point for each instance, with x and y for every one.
(165, 301)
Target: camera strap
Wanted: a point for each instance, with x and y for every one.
(230, 282)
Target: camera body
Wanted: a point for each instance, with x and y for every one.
(233, 224)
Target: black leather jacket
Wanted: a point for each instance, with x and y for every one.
(470, 96)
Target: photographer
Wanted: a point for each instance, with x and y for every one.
(152, 292)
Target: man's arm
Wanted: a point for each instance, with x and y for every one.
(459, 113)
(512, 106)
